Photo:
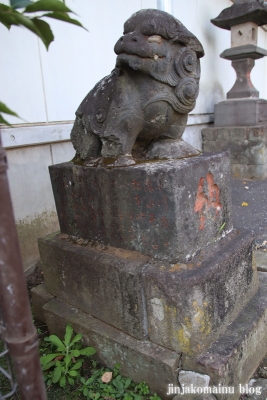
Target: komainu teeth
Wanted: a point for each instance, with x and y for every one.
(156, 57)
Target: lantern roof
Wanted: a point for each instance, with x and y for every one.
(242, 11)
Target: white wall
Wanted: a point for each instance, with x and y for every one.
(45, 88)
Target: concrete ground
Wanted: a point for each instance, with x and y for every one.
(252, 215)
(253, 195)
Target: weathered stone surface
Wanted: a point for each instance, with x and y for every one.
(240, 12)
(256, 389)
(190, 306)
(187, 378)
(243, 87)
(141, 360)
(241, 52)
(243, 112)
(242, 171)
(170, 149)
(242, 34)
(40, 297)
(235, 356)
(261, 260)
(147, 96)
(105, 283)
(195, 397)
(248, 148)
(168, 210)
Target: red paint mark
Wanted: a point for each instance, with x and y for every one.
(152, 218)
(136, 185)
(150, 204)
(150, 187)
(140, 215)
(214, 194)
(164, 222)
(165, 203)
(137, 200)
(205, 201)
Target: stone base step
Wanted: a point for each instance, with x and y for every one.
(182, 307)
(233, 358)
(139, 359)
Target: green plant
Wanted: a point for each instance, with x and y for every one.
(27, 18)
(115, 387)
(64, 365)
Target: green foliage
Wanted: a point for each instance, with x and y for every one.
(51, 9)
(118, 387)
(63, 367)
(54, 9)
(64, 364)
(5, 110)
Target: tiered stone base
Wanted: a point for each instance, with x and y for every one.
(248, 148)
(151, 317)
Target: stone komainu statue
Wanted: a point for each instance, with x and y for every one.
(144, 103)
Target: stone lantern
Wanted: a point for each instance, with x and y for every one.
(243, 107)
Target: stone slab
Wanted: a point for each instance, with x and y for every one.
(235, 356)
(256, 389)
(183, 307)
(106, 283)
(242, 171)
(245, 51)
(190, 306)
(246, 112)
(168, 209)
(248, 148)
(40, 297)
(141, 360)
(261, 260)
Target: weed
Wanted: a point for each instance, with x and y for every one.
(64, 365)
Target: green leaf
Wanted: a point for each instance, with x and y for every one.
(3, 121)
(75, 353)
(85, 392)
(20, 3)
(54, 339)
(88, 351)
(68, 335)
(76, 339)
(97, 395)
(57, 374)
(6, 15)
(73, 373)
(127, 383)
(62, 381)
(47, 358)
(64, 17)
(77, 365)
(46, 33)
(67, 359)
(71, 381)
(47, 5)
(4, 109)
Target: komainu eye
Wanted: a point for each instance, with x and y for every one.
(154, 39)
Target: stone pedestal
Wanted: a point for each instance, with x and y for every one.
(150, 270)
(245, 112)
(168, 210)
(248, 148)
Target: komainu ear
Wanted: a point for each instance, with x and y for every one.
(187, 67)
(186, 92)
(187, 64)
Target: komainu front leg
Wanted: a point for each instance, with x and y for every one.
(118, 140)
(85, 142)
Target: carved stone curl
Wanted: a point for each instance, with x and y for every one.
(143, 104)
